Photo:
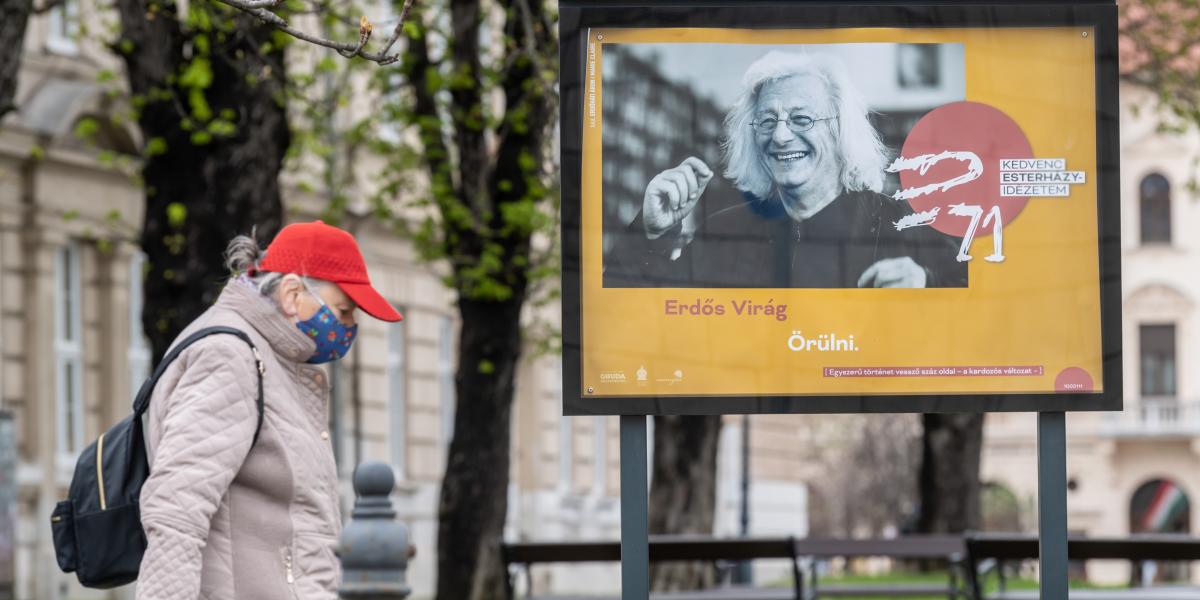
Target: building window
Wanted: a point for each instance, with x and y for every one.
(1158, 360)
(68, 350)
(918, 66)
(600, 469)
(1155, 195)
(397, 402)
(446, 376)
(139, 346)
(63, 20)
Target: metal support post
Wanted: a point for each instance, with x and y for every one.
(635, 540)
(744, 573)
(1052, 504)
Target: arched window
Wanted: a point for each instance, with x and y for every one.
(100, 131)
(1155, 195)
(999, 508)
(1159, 506)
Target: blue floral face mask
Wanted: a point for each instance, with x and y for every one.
(333, 339)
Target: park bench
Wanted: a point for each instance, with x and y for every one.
(662, 548)
(949, 550)
(1010, 547)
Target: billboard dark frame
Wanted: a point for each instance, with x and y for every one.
(576, 17)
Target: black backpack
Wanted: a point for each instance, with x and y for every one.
(98, 528)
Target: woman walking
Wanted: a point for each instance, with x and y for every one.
(232, 511)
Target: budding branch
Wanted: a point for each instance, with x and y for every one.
(262, 10)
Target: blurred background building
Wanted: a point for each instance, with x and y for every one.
(1136, 471)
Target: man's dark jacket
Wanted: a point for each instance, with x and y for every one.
(755, 244)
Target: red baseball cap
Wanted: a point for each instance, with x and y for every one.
(325, 252)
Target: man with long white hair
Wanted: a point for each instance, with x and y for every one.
(810, 167)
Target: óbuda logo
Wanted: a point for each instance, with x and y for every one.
(825, 342)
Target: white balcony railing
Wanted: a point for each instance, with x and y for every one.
(1156, 416)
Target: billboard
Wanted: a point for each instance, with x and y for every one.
(809, 208)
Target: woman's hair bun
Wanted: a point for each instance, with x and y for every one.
(243, 253)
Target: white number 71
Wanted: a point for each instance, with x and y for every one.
(974, 211)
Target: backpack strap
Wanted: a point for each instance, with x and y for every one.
(142, 401)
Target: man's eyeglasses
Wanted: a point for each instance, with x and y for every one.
(797, 123)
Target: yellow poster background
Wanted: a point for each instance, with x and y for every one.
(1039, 307)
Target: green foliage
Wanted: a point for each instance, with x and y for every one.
(524, 216)
(1163, 36)
(280, 39)
(1158, 51)
(156, 146)
(188, 88)
(485, 236)
(326, 65)
(199, 17)
(174, 244)
(176, 215)
(86, 129)
(222, 128)
(197, 77)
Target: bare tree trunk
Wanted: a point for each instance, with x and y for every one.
(683, 492)
(14, 15)
(201, 190)
(949, 476)
(474, 497)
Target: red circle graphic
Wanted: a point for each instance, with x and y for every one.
(964, 129)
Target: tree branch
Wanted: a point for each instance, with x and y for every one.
(532, 36)
(260, 3)
(1157, 51)
(467, 106)
(435, 150)
(399, 30)
(259, 10)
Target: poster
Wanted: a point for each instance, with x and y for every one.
(841, 218)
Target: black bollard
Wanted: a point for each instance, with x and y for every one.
(374, 545)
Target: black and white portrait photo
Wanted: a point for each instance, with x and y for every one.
(764, 166)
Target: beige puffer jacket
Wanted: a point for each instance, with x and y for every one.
(223, 520)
